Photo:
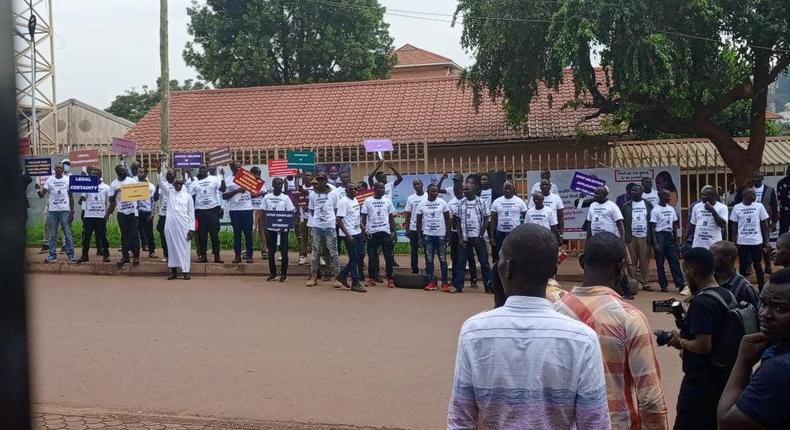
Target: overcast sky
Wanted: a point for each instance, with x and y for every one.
(103, 47)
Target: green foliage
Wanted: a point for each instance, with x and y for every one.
(681, 68)
(249, 43)
(133, 104)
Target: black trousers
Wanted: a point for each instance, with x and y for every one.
(784, 223)
(271, 245)
(97, 226)
(145, 226)
(208, 226)
(160, 227)
(752, 255)
(414, 247)
(698, 398)
(129, 237)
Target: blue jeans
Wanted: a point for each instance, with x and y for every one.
(355, 253)
(436, 244)
(241, 221)
(324, 238)
(474, 245)
(381, 240)
(55, 219)
(667, 249)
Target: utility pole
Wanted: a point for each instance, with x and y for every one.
(165, 79)
(31, 28)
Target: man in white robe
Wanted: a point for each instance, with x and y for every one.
(179, 229)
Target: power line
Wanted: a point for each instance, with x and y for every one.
(428, 17)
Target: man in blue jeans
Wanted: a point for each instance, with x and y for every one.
(348, 222)
(471, 222)
(60, 212)
(321, 204)
(240, 211)
(433, 220)
(664, 224)
(378, 217)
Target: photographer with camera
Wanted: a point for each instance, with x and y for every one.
(631, 367)
(758, 401)
(700, 333)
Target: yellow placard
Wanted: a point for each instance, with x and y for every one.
(133, 192)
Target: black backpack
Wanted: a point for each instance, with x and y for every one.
(740, 319)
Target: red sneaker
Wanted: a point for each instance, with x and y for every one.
(370, 283)
(431, 286)
(390, 283)
(445, 288)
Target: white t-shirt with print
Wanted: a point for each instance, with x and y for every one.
(508, 211)
(146, 205)
(239, 202)
(487, 196)
(553, 201)
(378, 214)
(206, 191)
(58, 193)
(470, 217)
(706, 231)
(323, 207)
(349, 210)
(96, 203)
(124, 207)
(639, 219)
(433, 217)
(758, 193)
(411, 206)
(651, 197)
(664, 217)
(545, 216)
(552, 190)
(305, 212)
(749, 219)
(453, 205)
(280, 203)
(604, 217)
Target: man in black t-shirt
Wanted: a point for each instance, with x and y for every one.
(702, 382)
(759, 401)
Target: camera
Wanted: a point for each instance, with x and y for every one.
(662, 337)
(671, 306)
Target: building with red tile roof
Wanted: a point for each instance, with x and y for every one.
(414, 62)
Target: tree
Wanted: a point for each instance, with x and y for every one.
(680, 67)
(249, 43)
(133, 104)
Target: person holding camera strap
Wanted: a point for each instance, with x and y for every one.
(700, 332)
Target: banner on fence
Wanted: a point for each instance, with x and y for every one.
(279, 220)
(576, 186)
(84, 184)
(187, 160)
(84, 158)
(332, 171)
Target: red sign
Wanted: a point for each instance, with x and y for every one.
(84, 158)
(124, 146)
(298, 198)
(279, 168)
(248, 181)
(24, 146)
(364, 195)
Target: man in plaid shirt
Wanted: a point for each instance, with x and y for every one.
(633, 377)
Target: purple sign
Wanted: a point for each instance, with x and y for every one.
(585, 183)
(378, 145)
(187, 160)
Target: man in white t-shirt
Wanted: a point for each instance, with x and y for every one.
(322, 223)
(95, 219)
(348, 222)
(378, 219)
(649, 194)
(472, 223)
(433, 222)
(412, 202)
(258, 222)
(127, 216)
(379, 176)
(750, 231)
(277, 237)
(708, 219)
(60, 212)
(664, 224)
(604, 215)
(145, 216)
(638, 237)
(542, 215)
(240, 211)
(506, 214)
(553, 201)
(303, 232)
(545, 175)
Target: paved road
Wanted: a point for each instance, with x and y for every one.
(237, 347)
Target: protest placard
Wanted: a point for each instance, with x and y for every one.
(278, 220)
(300, 159)
(122, 146)
(38, 166)
(364, 195)
(248, 181)
(378, 145)
(586, 184)
(84, 184)
(219, 157)
(298, 198)
(84, 158)
(279, 168)
(24, 146)
(133, 192)
(187, 160)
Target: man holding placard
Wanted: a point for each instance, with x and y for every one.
(240, 208)
(276, 237)
(95, 220)
(378, 217)
(60, 212)
(207, 189)
(145, 215)
(126, 202)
